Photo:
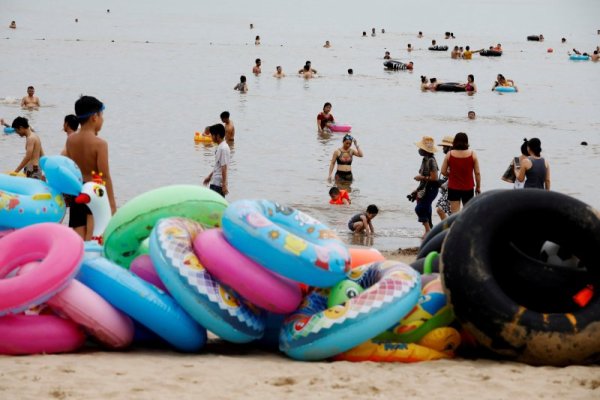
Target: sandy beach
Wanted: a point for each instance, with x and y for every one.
(228, 371)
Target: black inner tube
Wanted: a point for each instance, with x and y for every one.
(488, 251)
(395, 65)
(490, 53)
(450, 87)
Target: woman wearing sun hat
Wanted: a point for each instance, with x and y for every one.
(460, 165)
(443, 205)
(428, 182)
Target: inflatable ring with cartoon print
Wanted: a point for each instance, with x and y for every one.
(431, 312)
(217, 308)
(315, 332)
(286, 241)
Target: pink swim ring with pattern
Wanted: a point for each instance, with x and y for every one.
(251, 280)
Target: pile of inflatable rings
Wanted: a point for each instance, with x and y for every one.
(179, 261)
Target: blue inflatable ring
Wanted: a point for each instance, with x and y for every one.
(143, 302)
(286, 241)
(214, 306)
(26, 201)
(505, 89)
(579, 57)
(316, 332)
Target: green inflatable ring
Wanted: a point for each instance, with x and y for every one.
(133, 222)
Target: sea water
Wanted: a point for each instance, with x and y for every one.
(167, 69)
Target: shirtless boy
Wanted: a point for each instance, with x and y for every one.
(33, 149)
(229, 128)
(256, 69)
(70, 126)
(90, 153)
(30, 101)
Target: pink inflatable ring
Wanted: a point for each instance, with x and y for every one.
(35, 334)
(61, 251)
(252, 281)
(82, 305)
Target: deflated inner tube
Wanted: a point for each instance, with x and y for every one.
(490, 53)
(438, 48)
(450, 87)
(533, 38)
(524, 321)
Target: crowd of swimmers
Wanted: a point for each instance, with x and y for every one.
(456, 182)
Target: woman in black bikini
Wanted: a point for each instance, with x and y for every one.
(343, 157)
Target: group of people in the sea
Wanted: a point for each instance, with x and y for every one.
(456, 182)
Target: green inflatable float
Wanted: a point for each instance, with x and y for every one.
(133, 222)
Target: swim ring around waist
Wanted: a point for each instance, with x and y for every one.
(505, 89)
(316, 332)
(286, 241)
(216, 307)
(62, 174)
(200, 138)
(39, 334)
(61, 252)
(27, 201)
(143, 302)
(133, 222)
(438, 48)
(533, 38)
(578, 57)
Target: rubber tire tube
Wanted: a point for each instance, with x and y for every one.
(472, 266)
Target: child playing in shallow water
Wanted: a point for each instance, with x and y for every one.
(362, 222)
(338, 196)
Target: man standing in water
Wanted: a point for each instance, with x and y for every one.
(218, 178)
(90, 153)
(229, 128)
(278, 72)
(30, 101)
(33, 149)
